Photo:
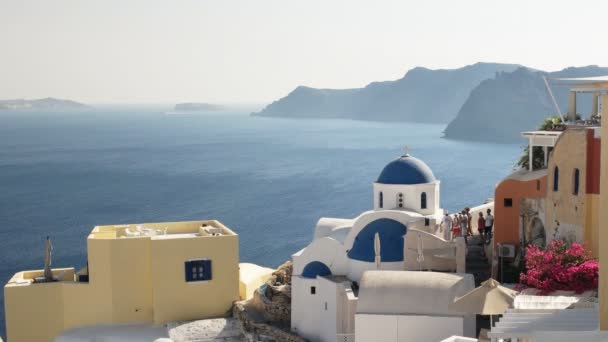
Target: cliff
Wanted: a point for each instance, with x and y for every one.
(498, 109)
(422, 95)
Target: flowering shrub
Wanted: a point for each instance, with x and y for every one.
(559, 267)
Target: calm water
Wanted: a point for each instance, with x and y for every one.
(268, 179)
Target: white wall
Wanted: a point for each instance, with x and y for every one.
(305, 307)
(395, 328)
(411, 196)
(320, 317)
(326, 250)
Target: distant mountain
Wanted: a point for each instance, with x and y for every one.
(48, 103)
(422, 95)
(195, 106)
(499, 109)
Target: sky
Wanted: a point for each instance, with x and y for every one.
(256, 51)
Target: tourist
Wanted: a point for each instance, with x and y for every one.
(456, 227)
(481, 224)
(488, 226)
(464, 225)
(470, 219)
(446, 225)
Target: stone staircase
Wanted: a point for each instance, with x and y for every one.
(476, 262)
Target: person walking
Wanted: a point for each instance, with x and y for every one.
(489, 223)
(470, 219)
(481, 224)
(446, 225)
(464, 220)
(456, 231)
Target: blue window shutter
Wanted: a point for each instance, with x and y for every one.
(197, 270)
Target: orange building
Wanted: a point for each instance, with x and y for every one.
(511, 194)
(559, 201)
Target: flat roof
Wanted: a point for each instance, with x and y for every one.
(525, 175)
(162, 230)
(541, 133)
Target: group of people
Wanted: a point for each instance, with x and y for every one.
(460, 224)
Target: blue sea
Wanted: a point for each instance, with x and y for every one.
(268, 179)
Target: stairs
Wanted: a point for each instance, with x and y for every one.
(476, 262)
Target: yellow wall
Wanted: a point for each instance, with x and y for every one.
(33, 313)
(592, 224)
(564, 210)
(174, 298)
(251, 277)
(131, 280)
(603, 233)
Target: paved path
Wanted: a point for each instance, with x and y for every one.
(476, 263)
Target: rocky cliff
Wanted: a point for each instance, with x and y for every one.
(422, 95)
(498, 109)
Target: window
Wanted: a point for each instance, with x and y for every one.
(400, 200)
(423, 200)
(537, 185)
(380, 200)
(508, 202)
(313, 290)
(427, 221)
(575, 181)
(555, 178)
(198, 270)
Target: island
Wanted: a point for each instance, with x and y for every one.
(195, 106)
(40, 104)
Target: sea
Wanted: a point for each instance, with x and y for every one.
(268, 179)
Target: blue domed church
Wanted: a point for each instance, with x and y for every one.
(395, 235)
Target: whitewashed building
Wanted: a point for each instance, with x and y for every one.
(402, 232)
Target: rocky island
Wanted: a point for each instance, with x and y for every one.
(44, 104)
(195, 106)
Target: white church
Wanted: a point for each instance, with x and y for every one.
(336, 277)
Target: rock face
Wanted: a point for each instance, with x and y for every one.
(48, 103)
(422, 95)
(498, 109)
(267, 316)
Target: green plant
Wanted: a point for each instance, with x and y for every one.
(538, 158)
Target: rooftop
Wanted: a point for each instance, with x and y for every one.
(162, 230)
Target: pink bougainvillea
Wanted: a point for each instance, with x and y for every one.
(559, 267)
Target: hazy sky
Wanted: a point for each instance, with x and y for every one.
(109, 51)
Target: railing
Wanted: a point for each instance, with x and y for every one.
(345, 337)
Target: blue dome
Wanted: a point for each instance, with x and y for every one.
(406, 170)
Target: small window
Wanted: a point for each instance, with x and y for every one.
(423, 200)
(427, 221)
(508, 202)
(556, 179)
(575, 181)
(313, 290)
(537, 185)
(380, 200)
(198, 270)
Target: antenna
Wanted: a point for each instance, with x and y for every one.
(553, 99)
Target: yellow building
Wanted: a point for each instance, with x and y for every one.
(573, 188)
(151, 272)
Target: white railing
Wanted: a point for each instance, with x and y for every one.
(345, 337)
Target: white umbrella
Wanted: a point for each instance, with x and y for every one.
(48, 258)
(488, 299)
(378, 257)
